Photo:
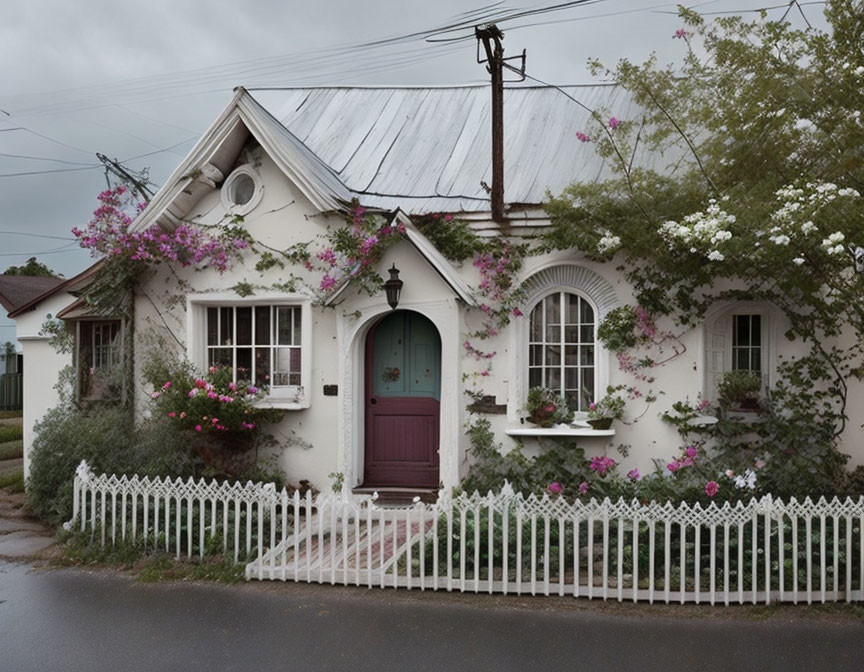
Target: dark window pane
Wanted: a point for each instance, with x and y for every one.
(220, 357)
(553, 379)
(297, 325)
(262, 366)
(587, 334)
(740, 330)
(283, 325)
(537, 323)
(586, 311)
(756, 330)
(262, 325)
(756, 359)
(536, 355)
(244, 364)
(571, 355)
(295, 361)
(553, 309)
(535, 377)
(571, 334)
(572, 309)
(553, 334)
(741, 359)
(212, 326)
(553, 354)
(571, 378)
(244, 326)
(226, 330)
(587, 358)
(572, 398)
(587, 390)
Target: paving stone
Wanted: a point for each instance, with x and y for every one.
(18, 524)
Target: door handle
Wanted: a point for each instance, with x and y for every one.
(373, 400)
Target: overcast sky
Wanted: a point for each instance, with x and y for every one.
(145, 79)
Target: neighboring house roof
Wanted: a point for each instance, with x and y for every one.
(72, 285)
(18, 290)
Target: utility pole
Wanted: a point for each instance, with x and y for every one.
(490, 35)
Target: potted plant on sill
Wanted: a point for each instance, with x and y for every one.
(740, 390)
(546, 408)
(602, 413)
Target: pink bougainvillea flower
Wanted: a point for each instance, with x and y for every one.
(172, 414)
(582, 137)
(680, 34)
(182, 414)
(252, 389)
(517, 313)
(167, 385)
(583, 487)
(691, 452)
(215, 420)
(555, 488)
(193, 393)
(673, 466)
(327, 282)
(703, 405)
(711, 488)
(614, 123)
(212, 395)
(212, 369)
(155, 395)
(601, 464)
(592, 406)
(197, 428)
(634, 475)
(232, 387)
(200, 383)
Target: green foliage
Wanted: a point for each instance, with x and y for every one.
(452, 237)
(739, 388)
(31, 268)
(617, 331)
(10, 433)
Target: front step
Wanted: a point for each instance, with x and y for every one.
(396, 496)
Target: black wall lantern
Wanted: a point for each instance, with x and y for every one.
(393, 287)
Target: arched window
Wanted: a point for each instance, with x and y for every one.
(562, 347)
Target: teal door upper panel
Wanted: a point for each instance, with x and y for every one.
(406, 357)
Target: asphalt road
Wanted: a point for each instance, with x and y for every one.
(57, 620)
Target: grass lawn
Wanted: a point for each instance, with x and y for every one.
(13, 481)
(10, 414)
(11, 449)
(10, 433)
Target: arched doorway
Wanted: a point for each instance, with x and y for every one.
(402, 402)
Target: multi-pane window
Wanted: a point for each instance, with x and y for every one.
(261, 344)
(98, 356)
(562, 348)
(105, 345)
(747, 342)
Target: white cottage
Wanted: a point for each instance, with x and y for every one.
(376, 393)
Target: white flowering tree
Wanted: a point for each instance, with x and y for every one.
(762, 129)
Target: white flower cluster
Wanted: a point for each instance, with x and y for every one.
(746, 480)
(608, 243)
(833, 244)
(700, 230)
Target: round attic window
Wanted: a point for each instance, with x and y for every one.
(242, 190)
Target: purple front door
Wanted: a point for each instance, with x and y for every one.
(403, 381)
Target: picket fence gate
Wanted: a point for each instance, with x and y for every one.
(758, 551)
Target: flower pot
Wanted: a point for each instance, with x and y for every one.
(600, 423)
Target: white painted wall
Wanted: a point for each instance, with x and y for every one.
(42, 365)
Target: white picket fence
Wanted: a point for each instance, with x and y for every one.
(759, 551)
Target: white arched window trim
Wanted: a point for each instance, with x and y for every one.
(572, 279)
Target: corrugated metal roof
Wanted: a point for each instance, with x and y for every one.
(429, 149)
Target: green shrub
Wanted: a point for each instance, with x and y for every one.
(11, 450)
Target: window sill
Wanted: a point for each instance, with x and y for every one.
(283, 404)
(559, 430)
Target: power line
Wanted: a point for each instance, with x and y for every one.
(43, 158)
(48, 172)
(35, 235)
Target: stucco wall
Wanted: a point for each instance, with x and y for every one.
(42, 364)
